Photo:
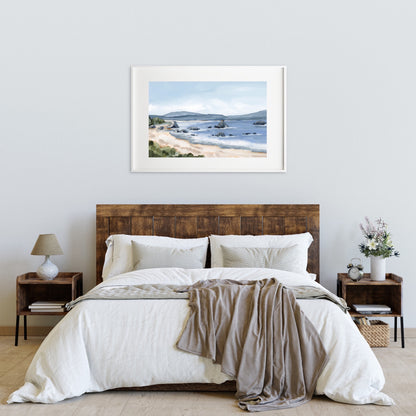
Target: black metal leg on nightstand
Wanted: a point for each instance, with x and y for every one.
(25, 326)
(395, 328)
(16, 337)
(402, 330)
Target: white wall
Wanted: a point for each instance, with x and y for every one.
(65, 113)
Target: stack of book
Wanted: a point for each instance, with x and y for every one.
(371, 309)
(48, 306)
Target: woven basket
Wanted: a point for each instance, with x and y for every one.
(377, 334)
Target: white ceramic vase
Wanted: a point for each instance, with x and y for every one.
(378, 268)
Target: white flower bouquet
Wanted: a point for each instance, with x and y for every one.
(378, 240)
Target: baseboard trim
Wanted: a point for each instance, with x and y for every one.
(34, 331)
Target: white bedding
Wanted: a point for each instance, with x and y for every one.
(106, 344)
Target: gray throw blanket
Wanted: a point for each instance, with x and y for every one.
(258, 334)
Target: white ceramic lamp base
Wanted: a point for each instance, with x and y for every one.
(47, 270)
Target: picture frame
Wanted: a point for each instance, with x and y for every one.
(208, 119)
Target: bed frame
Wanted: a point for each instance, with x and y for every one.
(191, 221)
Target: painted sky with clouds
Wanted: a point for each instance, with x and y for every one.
(228, 98)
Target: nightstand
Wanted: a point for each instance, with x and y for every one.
(366, 291)
(29, 289)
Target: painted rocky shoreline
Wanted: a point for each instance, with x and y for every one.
(170, 146)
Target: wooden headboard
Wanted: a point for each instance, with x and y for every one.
(191, 221)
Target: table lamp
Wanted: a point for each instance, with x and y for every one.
(47, 245)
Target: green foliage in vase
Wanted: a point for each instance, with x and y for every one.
(378, 240)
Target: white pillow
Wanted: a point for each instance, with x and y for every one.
(300, 241)
(119, 255)
(150, 257)
(262, 257)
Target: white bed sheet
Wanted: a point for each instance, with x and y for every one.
(106, 344)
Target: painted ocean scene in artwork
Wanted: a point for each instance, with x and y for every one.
(207, 119)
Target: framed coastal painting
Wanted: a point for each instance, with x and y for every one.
(208, 119)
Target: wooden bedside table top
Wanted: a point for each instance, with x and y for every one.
(63, 278)
(391, 279)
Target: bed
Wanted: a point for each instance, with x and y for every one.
(108, 344)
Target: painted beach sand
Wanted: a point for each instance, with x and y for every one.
(207, 119)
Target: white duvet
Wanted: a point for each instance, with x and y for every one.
(106, 344)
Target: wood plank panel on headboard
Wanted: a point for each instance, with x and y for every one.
(191, 221)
